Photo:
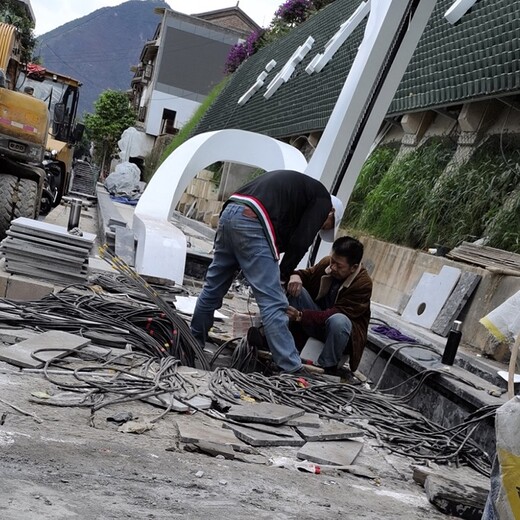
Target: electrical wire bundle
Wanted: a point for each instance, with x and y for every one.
(399, 427)
(146, 328)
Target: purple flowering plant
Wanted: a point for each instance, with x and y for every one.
(293, 12)
(241, 51)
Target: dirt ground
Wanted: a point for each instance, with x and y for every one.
(62, 468)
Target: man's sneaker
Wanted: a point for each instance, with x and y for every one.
(256, 339)
(343, 373)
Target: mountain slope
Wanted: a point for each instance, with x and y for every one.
(99, 49)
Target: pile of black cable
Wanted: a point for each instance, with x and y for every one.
(80, 310)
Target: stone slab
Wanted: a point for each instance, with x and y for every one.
(29, 239)
(33, 272)
(27, 290)
(193, 431)
(330, 431)
(308, 420)
(461, 294)
(31, 251)
(48, 248)
(335, 453)
(19, 354)
(266, 413)
(12, 336)
(456, 499)
(269, 436)
(125, 245)
(40, 228)
(430, 295)
(312, 350)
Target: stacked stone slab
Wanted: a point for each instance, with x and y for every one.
(42, 250)
(84, 179)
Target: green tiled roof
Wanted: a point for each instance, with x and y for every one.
(478, 57)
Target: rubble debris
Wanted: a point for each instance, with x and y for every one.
(212, 448)
(456, 499)
(121, 418)
(136, 426)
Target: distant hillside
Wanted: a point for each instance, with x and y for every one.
(99, 49)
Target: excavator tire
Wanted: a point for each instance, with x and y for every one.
(18, 198)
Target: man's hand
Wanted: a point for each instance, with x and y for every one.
(294, 287)
(294, 314)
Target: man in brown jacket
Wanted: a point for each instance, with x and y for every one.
(331, 302)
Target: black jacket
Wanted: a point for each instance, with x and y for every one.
(292, 208)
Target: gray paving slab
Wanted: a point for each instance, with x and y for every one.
(336, 453)
(449, 313)
(266, 413)
(19, 354)
(309, 420)
(32, 251)
(192, 430)
(31, 239)
(36, 257)
(125, 245)
(278, 436)
(44, 229)
(21, 268)
(329, 431)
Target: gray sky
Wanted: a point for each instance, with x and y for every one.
(53, 13)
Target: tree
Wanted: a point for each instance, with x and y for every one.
(112, 116)
(13, 12)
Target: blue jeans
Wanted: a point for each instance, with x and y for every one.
(240, 243)
(335, 333)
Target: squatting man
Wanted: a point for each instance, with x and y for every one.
(331, 302)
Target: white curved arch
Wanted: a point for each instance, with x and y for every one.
(238, 146)
(161, 247)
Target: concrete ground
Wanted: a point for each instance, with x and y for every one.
(54, 466)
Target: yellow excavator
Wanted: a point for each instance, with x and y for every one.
(38, 131)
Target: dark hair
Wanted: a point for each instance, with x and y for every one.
(350, 248)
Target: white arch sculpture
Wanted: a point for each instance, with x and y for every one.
(161, 247)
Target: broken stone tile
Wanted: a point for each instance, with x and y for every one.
(19, 354)
(268, 436)
(457, 499)
(336, 453)
(266, 413)
(167, 401)
(252, 459)
(214, 449)
(200, 402)
(307, 420)
(193, 431)
(330, 431)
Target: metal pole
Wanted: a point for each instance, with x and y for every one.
(75, 214)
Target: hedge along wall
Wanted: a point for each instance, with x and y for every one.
(405, 200)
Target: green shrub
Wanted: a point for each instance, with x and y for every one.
(373, 170)
(468, 203)
(392, 208)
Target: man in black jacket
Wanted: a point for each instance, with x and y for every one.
(279, 212)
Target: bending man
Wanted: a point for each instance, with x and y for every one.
(279, 212)
(331, 302)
